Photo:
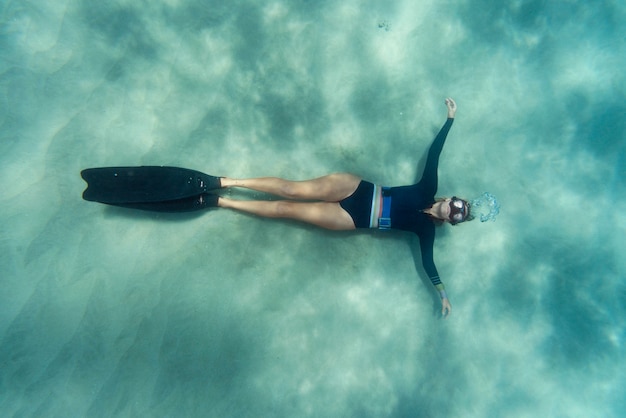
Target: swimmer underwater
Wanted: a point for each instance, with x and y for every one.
(339, 201)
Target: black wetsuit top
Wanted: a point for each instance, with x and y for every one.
(407, 203)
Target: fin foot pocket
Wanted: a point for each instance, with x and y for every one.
(207, 182)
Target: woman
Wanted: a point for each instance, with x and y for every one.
(340, 201)
(346, 202)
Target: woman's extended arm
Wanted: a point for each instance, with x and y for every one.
(429, 176)
(426, 248)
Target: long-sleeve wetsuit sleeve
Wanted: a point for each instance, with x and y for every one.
(426, 247)
(429, 177)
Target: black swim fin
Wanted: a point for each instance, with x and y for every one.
(145, 184)
(164, 189)
(187, 204)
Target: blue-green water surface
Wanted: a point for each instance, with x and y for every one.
(110, 312)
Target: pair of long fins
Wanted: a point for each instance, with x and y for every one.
(152, 188)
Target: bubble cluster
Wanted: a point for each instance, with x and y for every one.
(489, 202)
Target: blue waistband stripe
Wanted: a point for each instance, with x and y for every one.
(384, 222)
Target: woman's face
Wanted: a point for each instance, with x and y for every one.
(456, 210)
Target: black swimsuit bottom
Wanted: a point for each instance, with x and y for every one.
(359, 204)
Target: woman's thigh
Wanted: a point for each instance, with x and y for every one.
(329, 215)
(330, 188)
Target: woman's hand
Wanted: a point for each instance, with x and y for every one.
(446, 308)
(451, 105)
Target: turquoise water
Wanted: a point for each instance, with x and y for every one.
(108, 312)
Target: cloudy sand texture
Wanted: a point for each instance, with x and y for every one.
(107, 311)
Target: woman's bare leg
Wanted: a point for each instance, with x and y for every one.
(327, 215)
(331, 188)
